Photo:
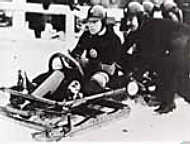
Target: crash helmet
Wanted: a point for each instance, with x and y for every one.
(169, 5)
(135, 7)
(148, 6)
(97, 12)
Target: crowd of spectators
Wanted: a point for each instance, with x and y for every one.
(38, 21)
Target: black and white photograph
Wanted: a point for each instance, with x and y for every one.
(95, 71)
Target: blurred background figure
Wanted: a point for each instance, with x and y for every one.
(148, 8)
(133, 17)
(110, 3)
(157, 3)
(157, 12)
(170, 10)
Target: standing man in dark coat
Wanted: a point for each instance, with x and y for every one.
(163, 46)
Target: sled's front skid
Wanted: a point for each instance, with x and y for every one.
(85, 117)
(53, 134)
(57, 133)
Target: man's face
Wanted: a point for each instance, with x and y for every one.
(132, 22)
(94, 26)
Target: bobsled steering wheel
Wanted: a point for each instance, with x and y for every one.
(67, 61)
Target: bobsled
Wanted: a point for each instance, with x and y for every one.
(56, 106)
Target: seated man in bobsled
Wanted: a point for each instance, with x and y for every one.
(102, 47)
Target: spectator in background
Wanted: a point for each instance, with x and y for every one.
(130, 25)
(170, 10)
(157, 3)
(95, 2)
(152, 9)
(133, 17)
(148, 8)
(110, 3)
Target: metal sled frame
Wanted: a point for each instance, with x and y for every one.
(90, 108)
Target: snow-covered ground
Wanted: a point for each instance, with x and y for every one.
(142, 125)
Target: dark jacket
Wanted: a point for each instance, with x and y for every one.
(107, 47)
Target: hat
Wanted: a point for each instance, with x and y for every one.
(169, 4)
(148, 6)
(135, 7)
(96, 12)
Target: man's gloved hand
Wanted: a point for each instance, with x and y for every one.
(109, 68)
(84, 61)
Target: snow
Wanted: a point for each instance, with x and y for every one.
(142, 125)
(145, 125)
